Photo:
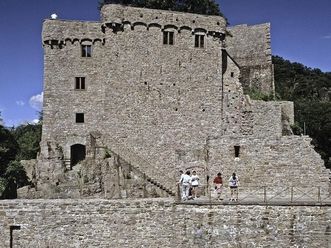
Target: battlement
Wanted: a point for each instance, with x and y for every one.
(63, 31)
(119, 14)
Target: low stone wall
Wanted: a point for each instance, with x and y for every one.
(161, 223)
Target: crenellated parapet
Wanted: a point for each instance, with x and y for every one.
(60, 32)
(117, 16)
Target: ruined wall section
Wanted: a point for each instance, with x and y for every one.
(250, 47)
(160, 223)
(275, 162)
(267, 119)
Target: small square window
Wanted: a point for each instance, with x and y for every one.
(79, 117)
(86, 51)
(80, 83)
(232, 74)
(168, 38)
(199, 41)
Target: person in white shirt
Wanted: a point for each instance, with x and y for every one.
(181, 177)
(195, 184)
(233, 183)
(185, 181)
(179, 183)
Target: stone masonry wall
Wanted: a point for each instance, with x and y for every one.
(278, 163)
(161, 223)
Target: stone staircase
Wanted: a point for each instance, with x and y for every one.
(143, 167)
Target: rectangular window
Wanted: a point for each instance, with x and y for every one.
(199, 41)
(80, 83)
(236, 151)
(168, 38)
(86, 51)
(79, 117)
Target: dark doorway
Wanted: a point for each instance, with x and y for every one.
(77, 153)
(12, 228)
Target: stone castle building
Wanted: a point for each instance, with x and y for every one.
(130, 100)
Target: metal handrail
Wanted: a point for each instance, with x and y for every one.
(290, 194)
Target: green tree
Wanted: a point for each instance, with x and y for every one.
(8, 149)
(205, 7)
(15, 177)
(21, 143)
(28, 137)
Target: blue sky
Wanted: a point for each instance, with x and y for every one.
(301, 32)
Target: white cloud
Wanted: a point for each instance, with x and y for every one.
(327, 36)
(36, 101)
(20, 103)
(34, 121)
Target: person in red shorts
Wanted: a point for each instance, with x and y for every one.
(218, 182)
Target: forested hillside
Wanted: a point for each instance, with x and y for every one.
(16, 144)
(310, 90)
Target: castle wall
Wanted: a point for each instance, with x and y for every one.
(250, 47)
(160, 223)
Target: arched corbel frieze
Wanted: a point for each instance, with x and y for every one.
(139, 24)
(199, 31)
(169, 26)
(154, 25)
(183, 28)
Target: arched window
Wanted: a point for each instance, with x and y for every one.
(77, 153)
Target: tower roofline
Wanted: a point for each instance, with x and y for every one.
(115, 13)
